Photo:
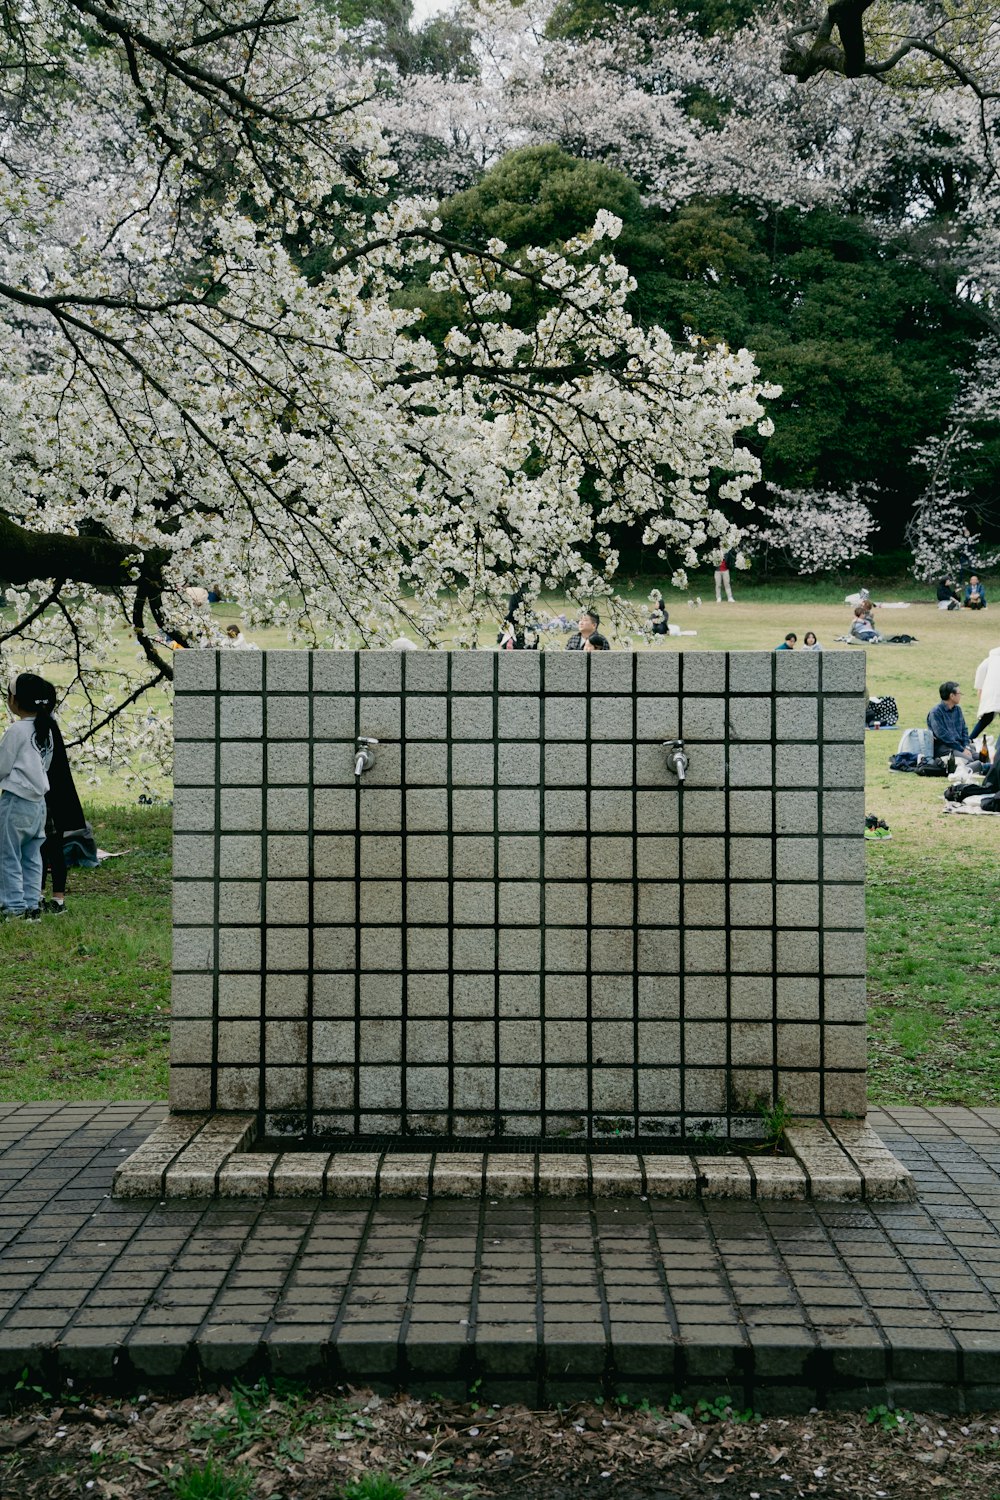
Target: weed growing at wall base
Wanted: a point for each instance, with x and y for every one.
(209, 1479)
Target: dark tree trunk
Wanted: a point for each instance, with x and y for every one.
(101, 561)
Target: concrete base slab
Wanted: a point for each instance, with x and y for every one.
(842, 1160)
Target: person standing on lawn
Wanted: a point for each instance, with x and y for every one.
(988, 685)
(724, 564)
(64, 815)
(25, 756)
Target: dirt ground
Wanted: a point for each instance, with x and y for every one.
(284, 1443)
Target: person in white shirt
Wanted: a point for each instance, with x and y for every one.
(236, 641)
(988, 685)
(25, 755)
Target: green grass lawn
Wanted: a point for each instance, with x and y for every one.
(86, 996)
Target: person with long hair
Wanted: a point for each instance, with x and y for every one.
(25, 757)
(64, 815)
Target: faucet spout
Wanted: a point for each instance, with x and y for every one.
(677, 758)
(364, 756)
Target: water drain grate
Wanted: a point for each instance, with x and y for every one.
(521, 1145)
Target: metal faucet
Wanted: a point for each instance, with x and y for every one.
(677, 758)
(365, 758)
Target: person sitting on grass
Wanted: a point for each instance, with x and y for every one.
(946, 596)
(946, 722)
(587, 636)
(659, 620)
(975, 594)
(789, 643)
(237, 641)
(863, 628)
(811, 643)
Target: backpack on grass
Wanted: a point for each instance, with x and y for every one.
(935, 766)
(915, 742)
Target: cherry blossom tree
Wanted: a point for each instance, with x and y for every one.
(812, 531)
(939, 532)
(689, 117)
(180, 404)
(683, 114)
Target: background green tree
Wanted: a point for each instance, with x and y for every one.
(864, 342)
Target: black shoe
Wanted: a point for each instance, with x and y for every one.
(54, 908)
(32, 915)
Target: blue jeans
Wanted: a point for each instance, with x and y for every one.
(22, 834)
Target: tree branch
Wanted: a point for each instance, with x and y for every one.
(99, 561)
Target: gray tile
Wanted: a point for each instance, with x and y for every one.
(194, 718)
(703, 718)
(240, 809)
(241, 717)
(844, 671)
(796, 718)
(750, 671)
(472, 718)
(381, 717)
(471, 811)
(517, 812)
(241, 764)
(194, 763)
(797, 671)
(611, 811)
(566, 671)
(843, 719)
(657, 672)
(566, 719)
(518, 765)
(566, 812)
(426, 671)
(380, 671)
(333, 856)
(194, 671)
(287, 671)
(288, 763)
(333, 671)
(426, 856)
(194, 855)
(703, 672)
(518, 718)
(335, 718)
(565, 765)
(427, 718)
(474, 765)
(612, 718)
(472, 671)
(518, 672)
(427, 764)
(750, 718)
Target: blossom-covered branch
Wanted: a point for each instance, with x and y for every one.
(180, 404)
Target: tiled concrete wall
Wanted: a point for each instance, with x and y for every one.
(518, 922)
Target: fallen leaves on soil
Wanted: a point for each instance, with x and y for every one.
(300, 1445)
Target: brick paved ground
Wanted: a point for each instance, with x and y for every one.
(788, 1305)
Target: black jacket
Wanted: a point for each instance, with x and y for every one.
(62, 802)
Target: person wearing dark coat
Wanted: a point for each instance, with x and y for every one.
(64, 814)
